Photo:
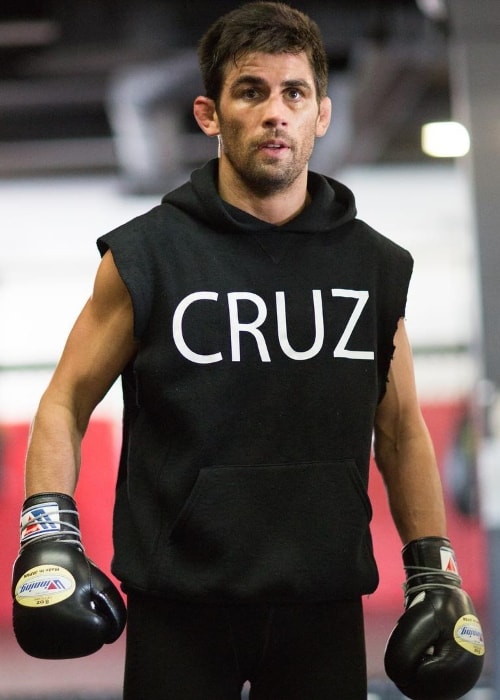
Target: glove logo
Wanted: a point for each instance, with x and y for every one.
(469, 635)
(448, 560)
(44, 585)
(40, 520)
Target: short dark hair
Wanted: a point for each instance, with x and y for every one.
(267, 27)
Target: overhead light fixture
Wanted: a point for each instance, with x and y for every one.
(435, 9)
(445, 139)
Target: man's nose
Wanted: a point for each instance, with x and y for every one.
(274, 112)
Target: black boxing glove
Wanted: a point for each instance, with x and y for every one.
(436, 650)
(64, 606)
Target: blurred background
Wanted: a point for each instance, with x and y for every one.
(96, 124)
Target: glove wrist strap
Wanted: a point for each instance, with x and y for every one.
(429, 562)
(50, 516)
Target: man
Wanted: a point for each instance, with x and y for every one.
(258, 329)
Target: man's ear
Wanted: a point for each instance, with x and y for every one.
(324, 116)
(206, 115)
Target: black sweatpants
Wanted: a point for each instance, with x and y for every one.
(184, 651)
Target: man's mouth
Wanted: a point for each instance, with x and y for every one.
(274, 145)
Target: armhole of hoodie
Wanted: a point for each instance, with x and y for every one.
(400, 271)
(134, 275)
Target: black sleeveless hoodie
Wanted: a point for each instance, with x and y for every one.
(248, 411)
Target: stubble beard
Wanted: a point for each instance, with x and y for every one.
(265, 177)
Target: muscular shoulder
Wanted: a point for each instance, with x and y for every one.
(109, 289)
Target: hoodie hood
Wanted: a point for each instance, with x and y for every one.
(332, 205)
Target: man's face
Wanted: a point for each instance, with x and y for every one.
(268, 117)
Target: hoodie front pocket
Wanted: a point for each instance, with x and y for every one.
(272, 532)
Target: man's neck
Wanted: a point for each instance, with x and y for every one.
(277, 208)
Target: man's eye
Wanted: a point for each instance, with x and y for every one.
(250, 93)
(294, 94)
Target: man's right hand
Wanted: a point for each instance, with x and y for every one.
(64, 606)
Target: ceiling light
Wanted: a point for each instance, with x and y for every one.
(435, 9)
(445, 140)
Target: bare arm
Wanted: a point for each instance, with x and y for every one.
(99, 346)
(404, 452)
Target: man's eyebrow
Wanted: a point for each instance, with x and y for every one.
(297, 82)
(256, 80)
(247, 80)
